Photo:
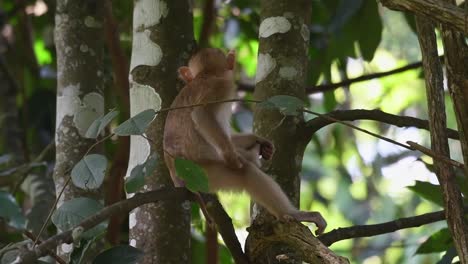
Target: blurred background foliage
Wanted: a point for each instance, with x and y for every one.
(352, 178)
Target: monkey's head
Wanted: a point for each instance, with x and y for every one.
(207, 61)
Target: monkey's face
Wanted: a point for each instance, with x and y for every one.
(209, 61)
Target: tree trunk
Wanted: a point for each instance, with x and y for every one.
(78, 38)
(162, 40)
(281, 70)
(453, 203)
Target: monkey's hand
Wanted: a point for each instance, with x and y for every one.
(232, 159)
(231, 60)
(267, 149)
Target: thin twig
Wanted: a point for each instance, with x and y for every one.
(50, 252)
(409, 147)
(435, 155)
(51, 211)
(332, 86)
(28, 169)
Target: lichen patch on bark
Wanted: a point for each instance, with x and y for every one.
(265, 65)
(274, 25)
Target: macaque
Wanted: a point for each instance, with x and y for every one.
(202, 134)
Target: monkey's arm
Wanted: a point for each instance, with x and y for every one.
(212, 131)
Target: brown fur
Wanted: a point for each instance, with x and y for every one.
(202, 134)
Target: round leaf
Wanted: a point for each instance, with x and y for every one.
(287, 105)
(136, 125)
(89, 172)
(72, 212)
(193, 175)
(122, 254)
(10, 211)
(99, 124)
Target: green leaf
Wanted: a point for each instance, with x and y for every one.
(139, 173)
(136, 125)
(369, 19)
(72, 212)
(100, 123)
(287, 105)
(438, 242)
(193, 175)
(10, 211)
(122, 254)
(345, 10)
(89, 172)
(428, 191)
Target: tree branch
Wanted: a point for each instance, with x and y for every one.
(29, 256)
(317, 123)
(440, 11)
(225, 228)
(221, 218)
(383, 228)
(332, 86)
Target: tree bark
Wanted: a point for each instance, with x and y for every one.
(281, 70)
(79, 43)
(453, 203)
(162, 41)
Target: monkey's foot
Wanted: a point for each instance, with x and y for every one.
(312, 217)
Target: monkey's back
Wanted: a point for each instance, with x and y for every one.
(181, 138)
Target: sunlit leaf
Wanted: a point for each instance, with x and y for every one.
(122, 254)
(89, 172)
(139, 173)
(73, 212)
(136, 125)
(193, 175)
(100, 123)
(42, 53)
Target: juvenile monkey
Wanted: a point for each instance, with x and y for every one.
(202, 134)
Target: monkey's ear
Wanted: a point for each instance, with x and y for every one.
(185, 74)
(231, 59)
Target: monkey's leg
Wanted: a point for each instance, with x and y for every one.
(262, 188)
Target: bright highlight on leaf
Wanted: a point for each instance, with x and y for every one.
(193, 175)
(73, 212)
(89, 172)
(136, 125)
(100, 123)
(139, 173)
(287, 105)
